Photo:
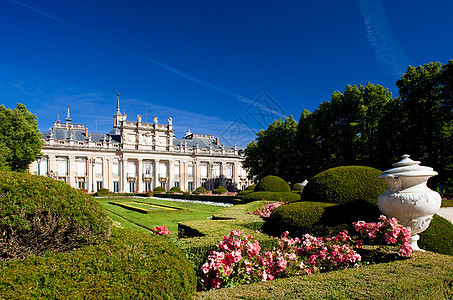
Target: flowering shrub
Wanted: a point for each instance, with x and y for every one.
(386, 231)
(239, 259)
(266, 211)
(161, 230)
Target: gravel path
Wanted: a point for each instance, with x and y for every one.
(446, 212)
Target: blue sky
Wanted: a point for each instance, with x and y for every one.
(226, 68)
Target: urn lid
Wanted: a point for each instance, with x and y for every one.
(408, 167)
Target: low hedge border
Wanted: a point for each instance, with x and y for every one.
(211, 198)
(272, 196)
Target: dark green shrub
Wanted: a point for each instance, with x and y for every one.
(220, 190)
(200, 190)
(319, 218)
(131, 265)
(175, 189)
(39, 214)
(102, 192)
(272, 196)
(272, 183)
(245, 192)
(438, 237)
(159, 189)
(250, 187)
(296, 187)
(343, 184)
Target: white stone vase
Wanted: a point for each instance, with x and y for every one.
(407, 197)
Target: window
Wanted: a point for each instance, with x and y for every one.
(98, 168)
(176, 183)
(204, 171)
(81, 184)
(163, 184)
(131, 186)
(62, 168)
(116, 170)
(116, 186)
(216, 171)
(81, 168)
(229, 171)
(204, 183)
(98, 185)
(190, 186)
(163, 169)
(148, 170)
(190, 171)
(131, 169)
(148, 186)
(176, 171)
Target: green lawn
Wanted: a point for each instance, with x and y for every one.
(127, 218)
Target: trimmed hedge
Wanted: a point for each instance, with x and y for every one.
(131, 265)
(272, 183)
(438, 237)
(211, 198)
(250, 187)
(39, 214)
(272, 196)
(343, 184)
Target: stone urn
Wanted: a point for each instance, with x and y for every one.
(407, 197)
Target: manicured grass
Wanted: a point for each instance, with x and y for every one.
(147, 221)
(425, 275)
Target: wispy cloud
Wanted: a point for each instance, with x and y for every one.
(386, 47)
(153, 61)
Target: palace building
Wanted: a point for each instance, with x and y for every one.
(136, 156)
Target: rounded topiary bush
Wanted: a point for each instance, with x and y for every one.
(319, 218)
(343, 184)
(298, 218)
(159, 189)
(200, 190)
(131, 265)
(39, 214)
(219, 190)
(175, 189)
(272, 183)
(438, 237)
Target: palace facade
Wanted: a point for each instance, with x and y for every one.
(136, 156)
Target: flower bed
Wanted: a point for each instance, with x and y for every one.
(239, 259)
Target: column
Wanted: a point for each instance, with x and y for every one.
(171, 180)
(156, 173)
(140, 188)
(124, 175)
(71, 171)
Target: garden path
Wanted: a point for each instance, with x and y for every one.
(446, 212)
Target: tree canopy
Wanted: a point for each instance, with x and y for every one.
(365, 126)
(20, 139)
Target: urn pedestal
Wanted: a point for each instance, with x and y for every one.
(407, 197)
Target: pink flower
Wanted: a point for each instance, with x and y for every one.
(162, 230)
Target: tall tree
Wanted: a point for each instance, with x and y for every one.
(274, 152)
(426, 108)
(20, 140)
